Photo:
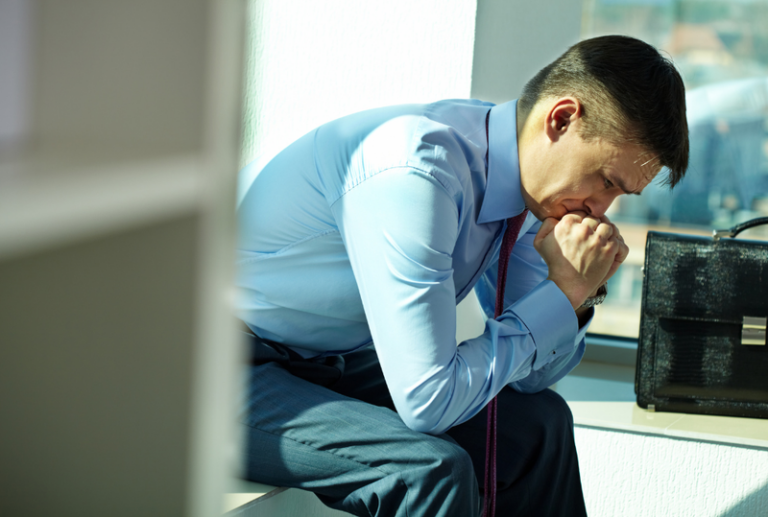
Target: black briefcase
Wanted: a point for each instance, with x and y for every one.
(702, 345)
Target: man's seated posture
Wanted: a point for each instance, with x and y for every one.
(358, 240)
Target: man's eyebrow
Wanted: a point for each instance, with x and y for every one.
(623, 186)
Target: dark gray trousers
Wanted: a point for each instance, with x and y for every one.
(346, 444)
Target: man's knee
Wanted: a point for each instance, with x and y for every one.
(534, 421)
(451, 486)
(556, 406)
(454, 462)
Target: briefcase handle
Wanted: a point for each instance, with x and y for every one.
(733, 232)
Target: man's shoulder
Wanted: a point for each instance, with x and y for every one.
(394, 135)
(461, 114)
(449, 105)
(444, 139)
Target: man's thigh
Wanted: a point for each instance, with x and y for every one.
(537, 466)
(526, 429)
(302, 435)
(536, 451)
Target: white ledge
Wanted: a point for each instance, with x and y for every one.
(629, 417)
(245, 493)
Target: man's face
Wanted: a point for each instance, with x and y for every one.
(578, 175)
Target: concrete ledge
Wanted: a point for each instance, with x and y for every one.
(247, 499)
(244, 493)
(629, 417)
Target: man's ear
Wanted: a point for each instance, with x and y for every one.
(561, 116)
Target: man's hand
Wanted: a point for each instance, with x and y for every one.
(622, 254)
(582, 253)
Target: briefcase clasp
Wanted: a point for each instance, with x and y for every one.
(753, 330)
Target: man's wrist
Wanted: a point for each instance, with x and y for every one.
(595, 298)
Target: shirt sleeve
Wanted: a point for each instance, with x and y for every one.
(399, 228)
(539, 302)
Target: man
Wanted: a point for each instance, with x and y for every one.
(370, 229)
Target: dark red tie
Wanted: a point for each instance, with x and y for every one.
(507, 243)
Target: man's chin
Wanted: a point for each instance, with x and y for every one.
(541, 213)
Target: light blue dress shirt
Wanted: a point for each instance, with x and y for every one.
(373, 227)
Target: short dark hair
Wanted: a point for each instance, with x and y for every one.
(629, 93)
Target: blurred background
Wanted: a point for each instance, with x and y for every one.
(720, 48)
(122, 127)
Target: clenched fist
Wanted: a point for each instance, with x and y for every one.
(582, 253)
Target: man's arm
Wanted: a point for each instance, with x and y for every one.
(400, 228)
(571, 236)
(527, 270)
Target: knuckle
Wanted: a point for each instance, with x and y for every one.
(583, 232)
(571, 218)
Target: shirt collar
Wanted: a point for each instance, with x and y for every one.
(503, 197)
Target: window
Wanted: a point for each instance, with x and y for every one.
(720, 48)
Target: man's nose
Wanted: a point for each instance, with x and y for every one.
(597, 206)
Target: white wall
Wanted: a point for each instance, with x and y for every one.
(310, 62)
(515, 39)
(636, 475)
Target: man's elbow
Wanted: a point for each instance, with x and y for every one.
(528, 388)
(423, 421)
(431, 407)
(425, 427)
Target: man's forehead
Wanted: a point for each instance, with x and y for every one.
(649, 163)
(637, 168)
(650, 167)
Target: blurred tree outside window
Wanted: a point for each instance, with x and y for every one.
(720, 48)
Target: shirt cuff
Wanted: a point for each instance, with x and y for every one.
(551, 320)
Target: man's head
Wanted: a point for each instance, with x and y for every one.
(600, 121)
